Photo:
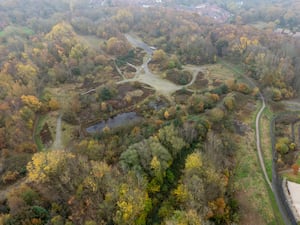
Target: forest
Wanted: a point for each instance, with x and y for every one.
(142, 112)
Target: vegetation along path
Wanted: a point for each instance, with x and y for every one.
(258, 142)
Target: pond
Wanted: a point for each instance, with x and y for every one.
(117, 121)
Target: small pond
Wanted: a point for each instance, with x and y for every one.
(117, 121)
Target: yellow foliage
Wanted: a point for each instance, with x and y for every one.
(193, 161)
(166, 115)
(106, 129)
(159, 55)
(60, 30)
(45, 164)
(155, 164)
(103, 106)
(181, 193)
(53, 104)
(292, 146)
(99, 169)
(26, 71)
(31, 101)
(132, 205)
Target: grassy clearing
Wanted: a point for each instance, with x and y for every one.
(250, 182)
(91, 40)
(266, 140)
(218, 72)
(39, 126)
(260, 206)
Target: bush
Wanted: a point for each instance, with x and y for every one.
(10, 177)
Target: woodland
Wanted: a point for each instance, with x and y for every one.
(66, 66)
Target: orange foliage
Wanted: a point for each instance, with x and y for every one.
(295, 168)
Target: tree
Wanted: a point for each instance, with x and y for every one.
(26, 73)
(133, 204)
(117, 47)
(53, 166)
(78, 51)
(184, 218)
(229, 102)
(282, 145)
(159, 56)
(32, 102)
(216, 114)
(193, 161)
(148, 156)
(170, 138)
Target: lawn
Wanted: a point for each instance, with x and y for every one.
(39, 125)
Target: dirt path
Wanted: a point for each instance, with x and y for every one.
(144, 75)
(57, 143)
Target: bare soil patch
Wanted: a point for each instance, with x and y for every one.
(248, 214)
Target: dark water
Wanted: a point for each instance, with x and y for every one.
(119, 120)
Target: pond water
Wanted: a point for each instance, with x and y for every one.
(119, 120)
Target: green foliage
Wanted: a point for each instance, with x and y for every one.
(139, 157)
(171, 139)
(57, 220)
(216, 114)
(283, 145)
(223, 89)
(105, 94)
(229, 102)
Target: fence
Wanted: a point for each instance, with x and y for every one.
(278, 184)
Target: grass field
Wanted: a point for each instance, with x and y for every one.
(253, 195)
(256, 200)
(266, 140)
(40, 123)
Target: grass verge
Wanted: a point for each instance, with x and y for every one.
(265, 137)
(39, 125)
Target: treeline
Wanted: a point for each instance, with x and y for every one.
(176, 166)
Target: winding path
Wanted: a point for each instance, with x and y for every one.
(258, 146)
